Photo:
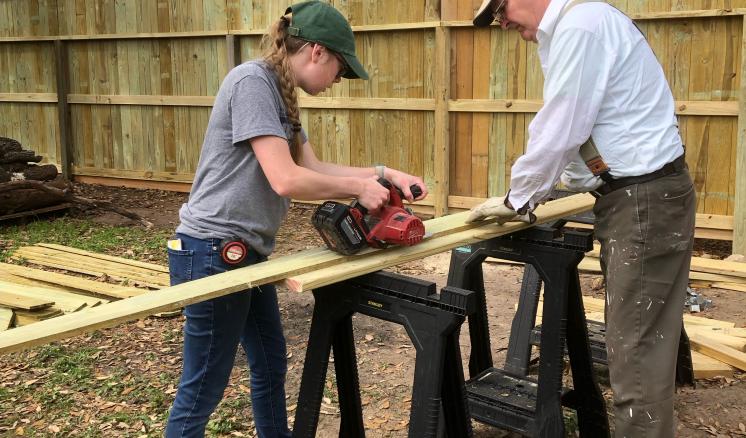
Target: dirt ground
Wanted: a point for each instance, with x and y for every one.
(385, 355)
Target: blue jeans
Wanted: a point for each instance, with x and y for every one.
(212, 332)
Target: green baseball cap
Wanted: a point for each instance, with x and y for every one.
(319, 22)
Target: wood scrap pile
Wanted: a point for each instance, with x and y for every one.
(718, 347)
(18, 164)
(28, 295)
(704, 272)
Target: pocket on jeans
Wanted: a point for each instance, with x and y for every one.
(180, 265)
(674, 187)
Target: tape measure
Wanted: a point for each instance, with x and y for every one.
(233, 251)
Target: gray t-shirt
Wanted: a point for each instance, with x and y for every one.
(231, 196)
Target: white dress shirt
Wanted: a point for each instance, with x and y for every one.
(600, 78)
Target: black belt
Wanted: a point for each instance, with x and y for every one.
(674, 166)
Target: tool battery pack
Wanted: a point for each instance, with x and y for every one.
(338, 228)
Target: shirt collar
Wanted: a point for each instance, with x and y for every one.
(549, 21)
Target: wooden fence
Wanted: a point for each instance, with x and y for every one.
(123, 89)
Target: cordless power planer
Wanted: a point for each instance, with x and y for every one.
(346, 229)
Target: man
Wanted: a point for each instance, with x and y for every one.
(603, 82)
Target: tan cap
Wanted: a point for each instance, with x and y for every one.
(487, 12)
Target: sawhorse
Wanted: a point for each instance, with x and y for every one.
(433, 323)
(508, 398)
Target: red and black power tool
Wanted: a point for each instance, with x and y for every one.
(346, 229)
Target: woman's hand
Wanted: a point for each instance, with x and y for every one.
(372, 194)
(403, 181)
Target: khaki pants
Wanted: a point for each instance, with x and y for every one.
(646, 233)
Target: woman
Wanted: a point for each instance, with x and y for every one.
(254, 158)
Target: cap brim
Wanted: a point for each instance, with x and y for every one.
(484, 16)
(355, 70)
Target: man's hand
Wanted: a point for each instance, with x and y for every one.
(496, 207)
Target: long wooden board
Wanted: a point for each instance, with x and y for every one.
(95, 255)
(16, 301)
(592, 264)
(709, 347)
(551, 211)
(91, 266)
(65, 301)
(706, 367)
(175, 297)
(94, 287)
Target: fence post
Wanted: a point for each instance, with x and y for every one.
(739, 213)
(442, 94)
(63, 108)
(233, 48)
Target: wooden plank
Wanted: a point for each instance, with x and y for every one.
(739, 332)
(175, 297)
(683, 107)
(38, 253)
(591, 264)
(94, 287)
(371, 103)
(6, 318)
(92, 99)
(734, 342)
(62, 300)
(92, 269)
(433, 245)
(63, 295)
(29, 97)
(709, 347)
(706, 367)
(701, 13)
(719, 222)
(739, 229)
(689, 108)
(597, 305)
(734, 269)
(16, 301)
(729, 286)
(26, 317)
(121, 260)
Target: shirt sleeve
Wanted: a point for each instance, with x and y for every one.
(579, 67)
(254, 110)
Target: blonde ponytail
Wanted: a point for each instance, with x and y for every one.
(278, 46)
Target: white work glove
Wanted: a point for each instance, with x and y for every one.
(497, 208)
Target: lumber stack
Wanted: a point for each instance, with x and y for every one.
(316, 267)
(704, 272)
(97, 265)
(718, 347)
(29, 295)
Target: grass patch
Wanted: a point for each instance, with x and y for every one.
(132, 242)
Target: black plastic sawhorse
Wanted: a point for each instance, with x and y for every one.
(433, 323)
(508, 398)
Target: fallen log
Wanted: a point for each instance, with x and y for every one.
(60, 191)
